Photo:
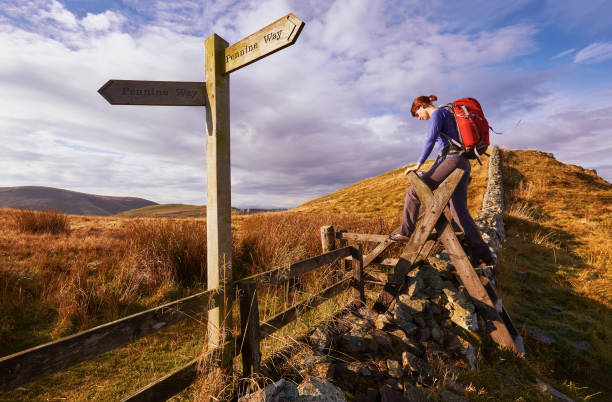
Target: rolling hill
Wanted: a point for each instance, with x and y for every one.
(67, 201)
(182, 211)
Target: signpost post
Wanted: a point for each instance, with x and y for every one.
(214, 94)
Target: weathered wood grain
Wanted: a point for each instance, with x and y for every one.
(433, 207)
(378, 250)
(218, 185)
(280, 320)
(25, 366)
(328, 238)
(270, 39)
(358, 290)
(249, 328)
(276, 276)
(154, 93)
(362, 237)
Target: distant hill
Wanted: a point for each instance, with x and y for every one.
(70, 202)
(183, 211)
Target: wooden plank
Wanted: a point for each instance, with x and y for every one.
(433, 207)
(249, 328)
(218, 185)
(270, 39)
(362, 237)
(280, 320)
(474, 287)
(358, 291)
(176, 381)
(154, 93)
(371, 256)
(276, 276)
(25, 366)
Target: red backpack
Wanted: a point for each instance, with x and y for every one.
(472, 126)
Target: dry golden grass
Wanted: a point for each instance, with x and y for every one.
(559, 224)
(383, 195)
(31, 221)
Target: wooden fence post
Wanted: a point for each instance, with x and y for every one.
(343, 243)
(328, 238)
(249, 328)
(358, 291)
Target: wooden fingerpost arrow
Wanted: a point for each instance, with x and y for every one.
(214, 93)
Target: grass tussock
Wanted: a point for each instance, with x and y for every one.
(53, 222)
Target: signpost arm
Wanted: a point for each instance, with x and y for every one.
(218, 195)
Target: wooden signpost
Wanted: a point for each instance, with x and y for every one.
(158, 93)
(214, 94)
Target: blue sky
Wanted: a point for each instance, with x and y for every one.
(326, 112)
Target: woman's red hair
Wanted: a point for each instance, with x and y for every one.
(422, 101)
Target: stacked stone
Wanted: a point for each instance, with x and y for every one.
(491, 217)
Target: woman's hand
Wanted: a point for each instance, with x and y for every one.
(413, 169)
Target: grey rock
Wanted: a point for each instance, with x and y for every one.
(461, 309)
(406, 343)
(413, 394)
(368, 313)
(548, 389)
(364, 371)
(582, 345)
(541, 336)
(316, 390)
(383, 321)
(395, 369)
(382, 339)
(282, 390)
(412, 305)
(437, 334)
(320, 338)
(448, 396)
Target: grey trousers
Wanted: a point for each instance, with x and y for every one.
(439, 171)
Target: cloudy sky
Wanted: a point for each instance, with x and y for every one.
(324, 113)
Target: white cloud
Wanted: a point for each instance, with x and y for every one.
(103, 21)
(319, 115)
(564, 53)
(57, 12)
(594, 53)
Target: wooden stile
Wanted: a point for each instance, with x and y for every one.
(416, 244)
(466, 272)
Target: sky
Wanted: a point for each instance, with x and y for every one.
(326, 112)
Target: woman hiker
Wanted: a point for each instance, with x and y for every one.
(449, 158)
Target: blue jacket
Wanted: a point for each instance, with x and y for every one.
(440, 120)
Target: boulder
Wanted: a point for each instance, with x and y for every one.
(316, 390)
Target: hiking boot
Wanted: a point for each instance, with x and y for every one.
(398, 237)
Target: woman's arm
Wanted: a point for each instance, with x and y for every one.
(434, 128)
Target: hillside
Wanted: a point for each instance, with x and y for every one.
(67, 201)
(383, 195)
